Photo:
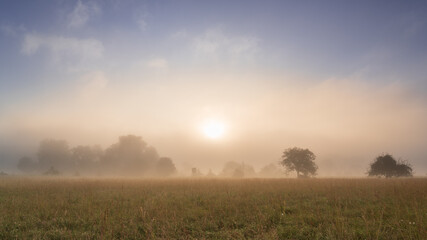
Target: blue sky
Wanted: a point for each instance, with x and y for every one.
(100, 57)
(328, 38)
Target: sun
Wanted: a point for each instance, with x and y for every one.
(213, 129)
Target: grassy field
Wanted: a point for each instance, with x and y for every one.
(77, 208)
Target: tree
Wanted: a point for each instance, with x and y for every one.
(130, 156)
(385, 165)
(26, 165)
(299, 160)
(85, 158)
(54, 153)
(165, 167)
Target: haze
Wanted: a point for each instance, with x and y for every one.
(210, 82)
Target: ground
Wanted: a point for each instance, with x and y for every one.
(94, 208)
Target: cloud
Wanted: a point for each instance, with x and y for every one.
(63, 48)
(215, 43)
(158, 63)
(81, 14)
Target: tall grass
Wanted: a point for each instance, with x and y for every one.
(78, 208)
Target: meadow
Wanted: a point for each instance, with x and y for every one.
(125, 208)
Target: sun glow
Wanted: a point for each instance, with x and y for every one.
(213, 129)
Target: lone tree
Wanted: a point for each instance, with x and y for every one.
(165, 167)
(299, 160)
(385, 165)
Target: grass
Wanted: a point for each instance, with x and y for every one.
(78, 208)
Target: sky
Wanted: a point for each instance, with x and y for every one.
(348, 80)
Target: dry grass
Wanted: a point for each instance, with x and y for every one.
(77, 208)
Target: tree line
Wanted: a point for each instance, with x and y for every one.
(130, 156)
(302, 162)
(240, 170)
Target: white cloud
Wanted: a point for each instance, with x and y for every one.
(81, 14)
(214, 43)
(63, 48)
(158, 63)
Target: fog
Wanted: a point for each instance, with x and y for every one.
(213, 85)
(345, 122)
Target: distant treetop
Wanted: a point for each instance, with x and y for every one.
(385, 165)
(299, 160)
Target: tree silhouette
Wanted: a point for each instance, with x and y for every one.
(26, 165)
(299, 160)
(165, 167)
(385, 165)
(86, 158)
(54, 153)
(130, 156)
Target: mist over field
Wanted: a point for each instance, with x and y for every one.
(189, 119)
(349, 87)
(345, 124)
